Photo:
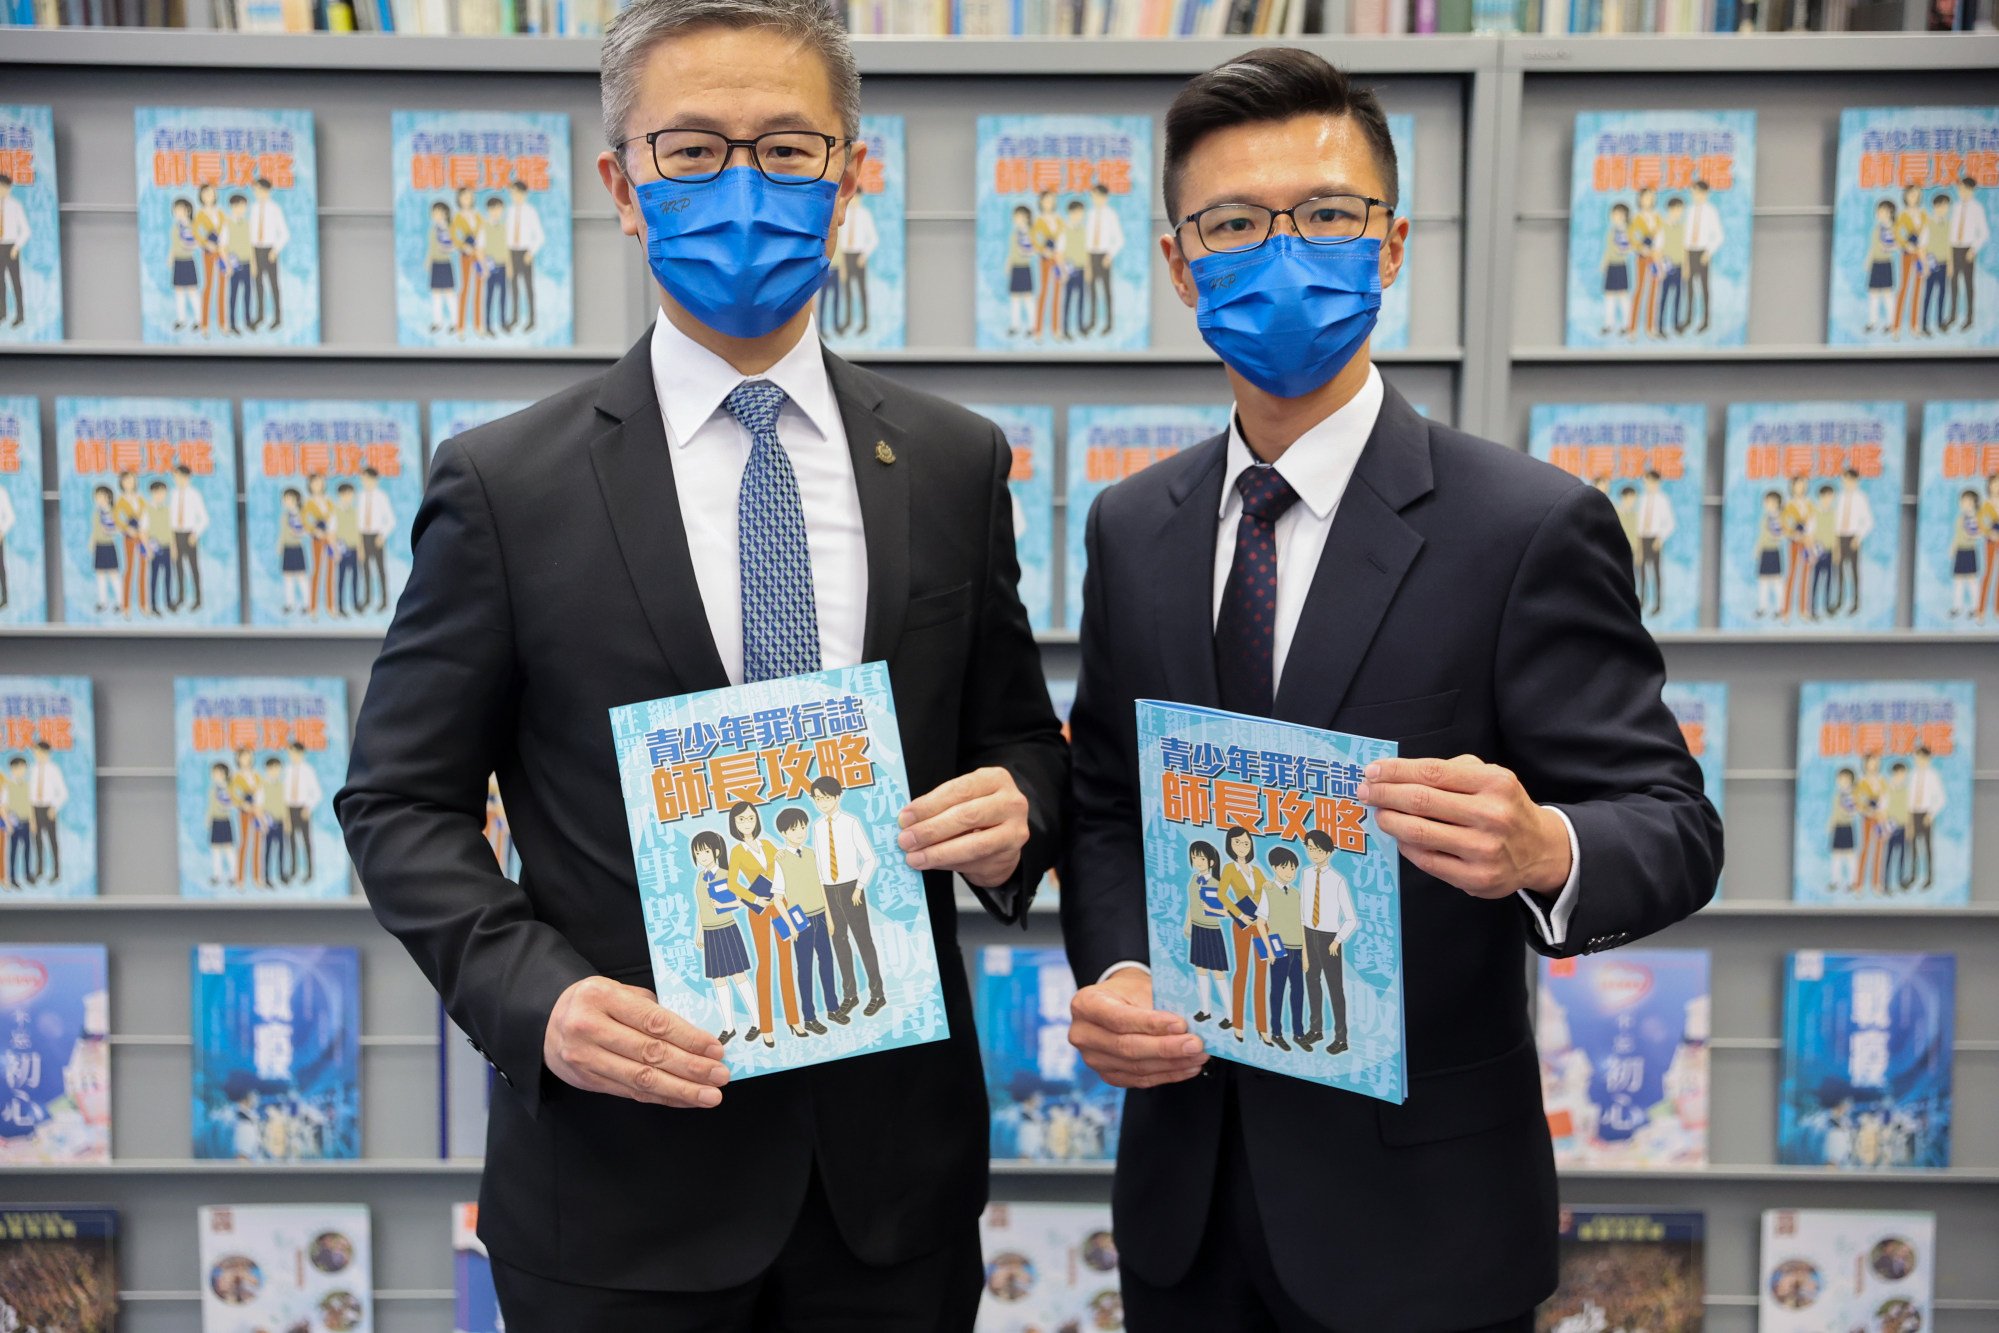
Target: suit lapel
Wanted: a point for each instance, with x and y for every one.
(882, 459)
(1183, 559)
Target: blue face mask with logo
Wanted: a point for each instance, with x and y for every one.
(1289, 315)
(740, 254)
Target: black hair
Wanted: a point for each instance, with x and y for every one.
(441, 207)
(1237, 830)
(736, 812)
(1200, 847)
(5, 179)
(791, 817)
(826, 787)
(262, 182)
(236, 199)
(1626, 489)
(1281, 857)
(709, 841)
(1319, 838)
(1939, 199)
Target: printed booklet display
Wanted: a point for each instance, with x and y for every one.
(475, 1308)
(55, 1008)
(58, 1268)
(1701, 709)
(1272, 894)
(23, 577)
(1628, 1269)
(1391, 326)
(454, 416)
(286, 1266)
(482, 229)
(764, 821)
(30, 239)
(1047, 1105)
(1030, 434)
(1957, 517)
(1826, 1269)
(48, 777)
(1867, 1060)
(1049, 1266)
(864, 305)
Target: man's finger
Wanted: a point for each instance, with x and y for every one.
(1462, 775)
(979, 812)
(636, 1008)
(1123, 1070)
(1411, 831)
(979, 782)
(636, 1046)
(1094, 1004)
(1135, 1054)
(1436, 803)
(966, 850)
(644, 1083)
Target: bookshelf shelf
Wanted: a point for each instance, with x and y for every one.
(456, 1168)
(1778, 52)
(162, 903)
(1804, 912)
(166, 1296)
(1792, 352)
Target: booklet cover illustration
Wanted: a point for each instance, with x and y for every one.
(1047, 1105)
(1701, 709)
(1867, 1060)
(1624, 1057)
(1660, 208)
(1628, 1269)
(228, 225)
(1912, 252)
(1831, 1269)
(23, 571)
(58, 1268)
(482, 229)
(1030, 434)
(1065, 230)
(864, 306)
(1957, 517)
(277, 1052)
(1391, 326)
(1049, 1266)
(1651, 460)
(148, 506)
(257, 761)
(475, 1308)
(763, 821)
(454, 416)
(331, 489)
(1884, 814)
(48, 788)
(1106, 445)
(30, 239)
(55, 1021)
(1811, 516)
(297, 1267)
(1272, 894)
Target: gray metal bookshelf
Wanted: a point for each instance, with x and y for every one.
(1494, 126)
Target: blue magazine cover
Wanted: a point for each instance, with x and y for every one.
(1047, 1105)
(482, 213)
(1957, 517)
(1391, 326)
(24, 587)
(454, 416)
(148, 507)
(1884, 793)
(475, 1308)
(1258, 862)
(1867, 1060)
(763, 822)
(1623, 1038)
(1660, 209)
(48, 787)
(1811, 517)
(1064, 232)
(1701, 709)
(330, 489)
(865, 303)
(1030, 433)
(58, 1267)
(1106, 445)
(257, 761)
(1651, 460)
(277, 1052)
(1913, 260)
(55, 1074)
(30, 238)
(228, 225)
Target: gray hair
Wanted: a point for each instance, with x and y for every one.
(633, 34)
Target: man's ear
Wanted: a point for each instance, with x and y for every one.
(1177, 271)
(611, 171)
(1394, 251)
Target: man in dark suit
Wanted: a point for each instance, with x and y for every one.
(592, 551)
(1338, 561)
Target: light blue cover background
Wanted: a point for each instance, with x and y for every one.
(554, 268)
(298, 262)
(1025, 1041)
(454, 416)
(1951, 835)
(221, 586)
(1033, 429)
(60, 1020)
(1663, 423)
(264, 499)
(330, 878)
(1742, 507)
(25, 546)
(1706, 702)
(76, 824)
(1170, 425)
(895, 897)
(1130, 288)
(326, 1041)
(1977, 424)
(33, 128)
(1589, 221)
(1391, 327)
(888, 266)
(1853, 218)
(1375, 1063)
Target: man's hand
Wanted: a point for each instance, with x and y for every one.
(607, 1037)
(975, 825)
(1128, 1042)
(1470, 824)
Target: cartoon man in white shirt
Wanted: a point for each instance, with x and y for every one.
(1330, 921)
(7, 521)
(525, 238)
(189, 515)
(1969, 233)
(1704, 237)
(857, 241)
(302, 797)
(13, 235)
(377, 519)
(47, 794)
(1856, 521)
(1655, 525)
(846, 864)
(1926, 802)
(1104, 236)
(269, 234)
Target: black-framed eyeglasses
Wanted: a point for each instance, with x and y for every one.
(785, 157)
(1328, 219)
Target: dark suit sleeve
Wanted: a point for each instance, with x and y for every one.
(1007, 719)
(1577, 679)
(437, 719)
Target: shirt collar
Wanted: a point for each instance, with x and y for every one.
(1321, 462)
(692, 381)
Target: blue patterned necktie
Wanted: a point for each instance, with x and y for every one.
(1245, 631)
(780, 619)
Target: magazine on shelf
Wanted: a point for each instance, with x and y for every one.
(1391, 326)
(48, 788)
(464, 1092)
(1829, 1268)
(864, 306)
(1030, 434)
(1701, 709)
(55, 1018)
(1049, 1267)
(1047, 1105)
(286, 1266)
(451, 417)
(1632, 1269)
(58, 1267)
(23, 559)
(1957, 518)
(475, 1307)
(30, 231)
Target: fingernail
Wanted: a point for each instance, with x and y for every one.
(905, 819)
(915, 861)
(1372, 770)
(708, 1097)
(1191, 1046)
(1363, 793)
(906, 841)
(721, 1075)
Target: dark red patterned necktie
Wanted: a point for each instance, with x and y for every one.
(1246, 629)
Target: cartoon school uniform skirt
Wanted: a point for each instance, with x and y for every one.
(1617, 278)
(221, 832)
(722, 952)
(1842, 837)
(104, 558)
(1964, 561)
(1880, 275)
(293, 560)
(185, 274)
(1206, 950)
(1769, 563)
(441, 278)
(1020, 279)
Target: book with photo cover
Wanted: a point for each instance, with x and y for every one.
(1047, 1105)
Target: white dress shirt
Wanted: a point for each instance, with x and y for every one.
(1968, 229)
(843, 833)
(302, 790)
(1106, 233)
(710, 448)
(7, 518)
(857, 231)
(268, 228)
(46, 789)
(1328, 904)
(1704, 227)
(1856, 515)
(13, 223)
(1926, 793)
(377, 517)
(524, 228)
(1655, 516)
(190, 511)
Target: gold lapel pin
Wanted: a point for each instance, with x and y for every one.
(883, 454)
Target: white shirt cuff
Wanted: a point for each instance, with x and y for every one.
(1554, 922)
(1119, 967)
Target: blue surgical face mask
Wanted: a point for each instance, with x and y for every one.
(740, 254)
(1289, 315)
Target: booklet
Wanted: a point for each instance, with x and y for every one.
(1273, 896)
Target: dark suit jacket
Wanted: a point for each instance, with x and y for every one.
(1470, 600)
(552, 582)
